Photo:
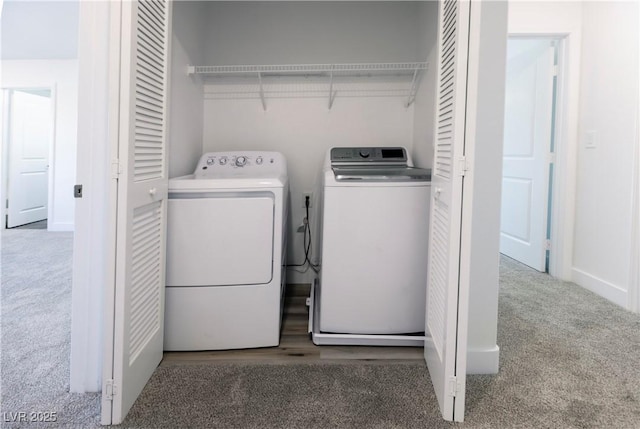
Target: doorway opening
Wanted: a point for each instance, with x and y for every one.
(28, 125)
(529, 164)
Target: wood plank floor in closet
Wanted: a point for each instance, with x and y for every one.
(295, 343)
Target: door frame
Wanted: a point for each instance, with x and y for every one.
(7, 92)
(634, 274)
(565, 137)
(92, 238)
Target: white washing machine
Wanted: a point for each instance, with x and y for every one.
(375, 240)
(225, 252)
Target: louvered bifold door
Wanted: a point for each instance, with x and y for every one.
(446, 208)
(141, 172)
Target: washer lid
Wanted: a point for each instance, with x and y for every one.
(381, 173)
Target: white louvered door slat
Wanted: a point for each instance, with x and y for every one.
(446, 206)
(142, 194)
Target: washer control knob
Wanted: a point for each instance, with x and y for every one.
(259, 160)
(241, 161)
(211, 161)
(223, 160)
(364, 153)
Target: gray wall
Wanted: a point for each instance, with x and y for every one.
(311, 32)
(185, 100)
(424, 110)
(39, 30)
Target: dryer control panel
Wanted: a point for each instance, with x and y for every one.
(239, 163)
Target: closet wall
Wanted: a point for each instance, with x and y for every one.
(311, 32)
(297, 120)
(424, 106)
(185, 99)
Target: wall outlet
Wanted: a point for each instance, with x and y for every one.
(304, 199)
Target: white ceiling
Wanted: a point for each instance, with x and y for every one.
(39, 30)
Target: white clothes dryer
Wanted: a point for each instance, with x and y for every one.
(374, 245)
(226, 243)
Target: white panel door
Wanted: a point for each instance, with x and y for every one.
(30, 131)
(142, 185)
(442, 340)
(527, 139)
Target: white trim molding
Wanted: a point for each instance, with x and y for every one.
(60, 226)
(90, 239)
(483, 361)
(599, 286)
(634, 272)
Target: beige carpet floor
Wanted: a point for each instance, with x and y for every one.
(569, 359)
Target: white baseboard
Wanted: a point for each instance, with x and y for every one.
(483, 361)
(600, 287)
(60, 227)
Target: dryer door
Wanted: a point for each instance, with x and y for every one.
(220, 239)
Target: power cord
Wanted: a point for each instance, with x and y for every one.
(306, 244)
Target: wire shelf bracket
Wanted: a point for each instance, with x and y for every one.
(264, 103)
(414, 89)
(332, 94)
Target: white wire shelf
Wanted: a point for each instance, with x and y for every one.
(409, 69)
(308, 68)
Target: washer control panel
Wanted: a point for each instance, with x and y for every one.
(249, 163)
(368, 155)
